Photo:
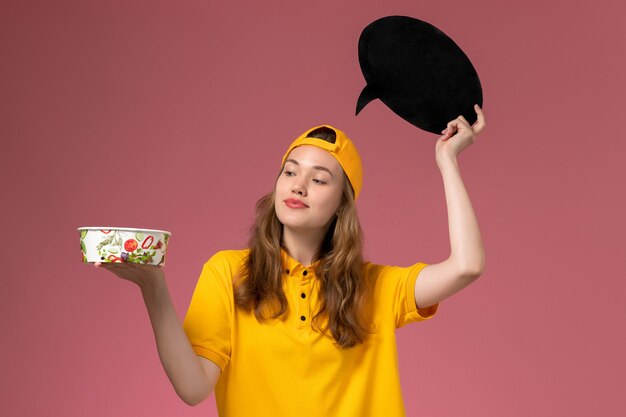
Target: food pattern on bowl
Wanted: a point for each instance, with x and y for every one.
(134, 246)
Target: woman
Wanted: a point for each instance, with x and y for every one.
(298, 323)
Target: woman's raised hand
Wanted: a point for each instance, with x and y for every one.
(459, 135)
(142, 275)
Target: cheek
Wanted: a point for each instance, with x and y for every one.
(281, 182)
(278, 186)
(333, 201)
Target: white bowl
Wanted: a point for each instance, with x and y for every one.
(123, 244)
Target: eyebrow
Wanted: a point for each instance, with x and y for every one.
(319, 167)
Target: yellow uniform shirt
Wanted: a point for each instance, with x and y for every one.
(283, 368)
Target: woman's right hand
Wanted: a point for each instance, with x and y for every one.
(144, 276)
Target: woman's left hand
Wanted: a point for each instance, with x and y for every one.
(459, 135)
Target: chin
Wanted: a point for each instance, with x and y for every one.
(296, 221)
(296, 224)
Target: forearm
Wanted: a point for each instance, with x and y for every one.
(466, 244)
(181, 364)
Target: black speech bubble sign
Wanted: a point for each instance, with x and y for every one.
(418, 72)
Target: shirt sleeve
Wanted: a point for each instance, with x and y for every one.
(208, 320)
(398, 290)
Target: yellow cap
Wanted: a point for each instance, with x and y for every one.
(343, 150)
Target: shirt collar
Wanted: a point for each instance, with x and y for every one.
(291, 265)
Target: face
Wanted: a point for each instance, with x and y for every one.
(309, 189)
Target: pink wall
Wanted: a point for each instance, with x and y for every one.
(174, 115)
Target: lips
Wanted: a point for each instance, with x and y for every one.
(293, 203)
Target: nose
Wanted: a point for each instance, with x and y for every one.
(298, 188)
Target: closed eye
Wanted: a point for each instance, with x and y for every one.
(318, 181)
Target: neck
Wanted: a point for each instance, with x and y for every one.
(303, 245)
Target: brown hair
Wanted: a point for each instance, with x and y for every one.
(343, 291)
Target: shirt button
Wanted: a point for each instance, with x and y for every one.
(303, 295)
(304, 273)
(302, 318)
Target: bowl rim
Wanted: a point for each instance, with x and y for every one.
(131, 229)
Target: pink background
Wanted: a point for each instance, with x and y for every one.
(175, 114)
